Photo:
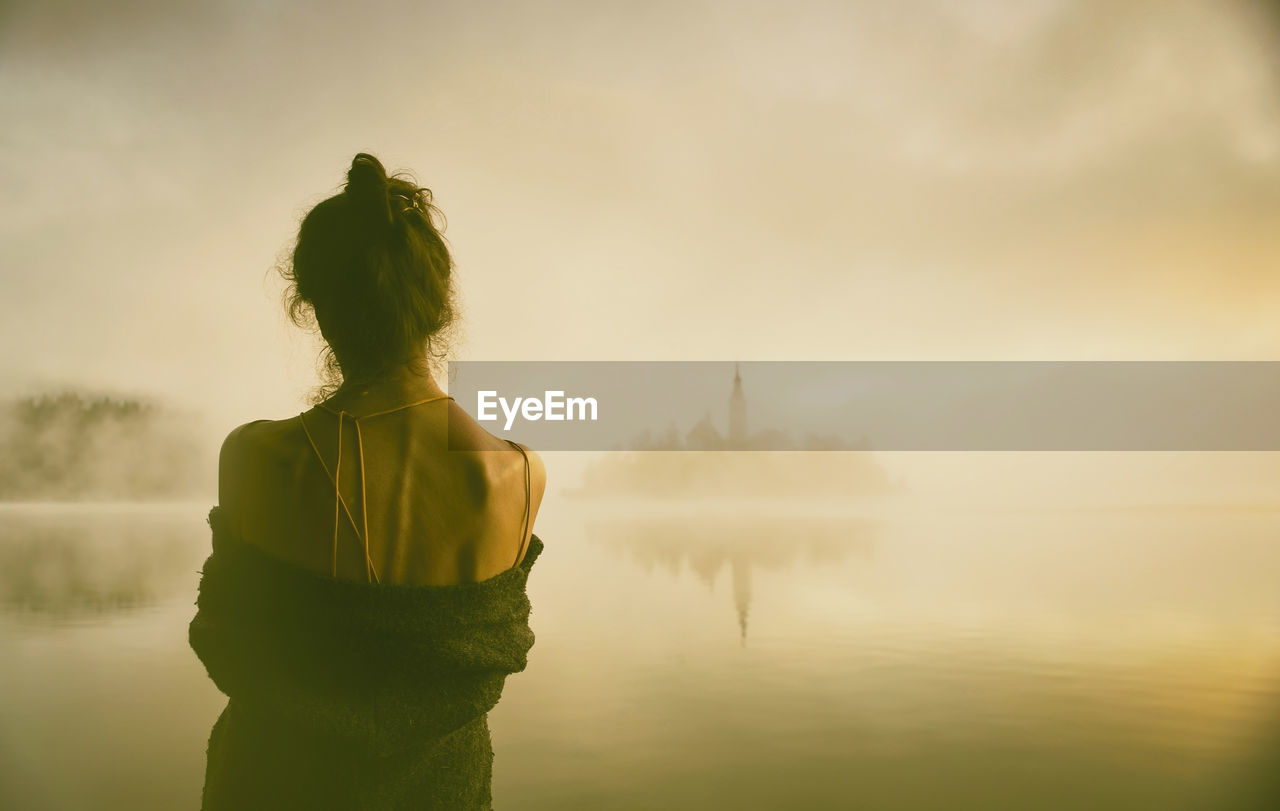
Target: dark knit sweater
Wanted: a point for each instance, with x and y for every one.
(352, 695)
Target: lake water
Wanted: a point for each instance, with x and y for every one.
(728, 657)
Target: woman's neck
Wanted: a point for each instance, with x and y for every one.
(396, 387)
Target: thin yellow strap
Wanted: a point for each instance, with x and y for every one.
(337, 495)
(346, 510)
(524, 522)
(369, 571)
(402, 407)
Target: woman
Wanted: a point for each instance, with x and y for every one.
(365, 599)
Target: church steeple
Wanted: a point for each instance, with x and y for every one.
(737, 412)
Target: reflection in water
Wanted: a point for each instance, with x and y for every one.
(1055, 661)
(741, 543)
(103, 705)
(71, 564)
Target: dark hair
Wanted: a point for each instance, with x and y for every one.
(372, 269)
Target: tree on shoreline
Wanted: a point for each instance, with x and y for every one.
(74, 445)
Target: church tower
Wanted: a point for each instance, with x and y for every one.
(737, 412)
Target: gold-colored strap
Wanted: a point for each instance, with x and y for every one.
(528, 505)
(371, 572)
(350, 518)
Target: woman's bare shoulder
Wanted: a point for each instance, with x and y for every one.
(468, 436)
(261, 435)
(249, 449)
(236, 440)
(498, 457)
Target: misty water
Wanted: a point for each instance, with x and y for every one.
(726, 655)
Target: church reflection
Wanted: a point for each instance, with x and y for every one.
(741, 545)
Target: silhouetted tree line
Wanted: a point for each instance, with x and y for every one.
(71, 445)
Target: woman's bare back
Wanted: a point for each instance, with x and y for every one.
(446, 500)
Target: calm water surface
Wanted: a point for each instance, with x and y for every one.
(743, 657)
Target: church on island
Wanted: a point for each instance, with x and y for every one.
(702, 472)
(704, 436)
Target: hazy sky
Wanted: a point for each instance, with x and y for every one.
(661, 180)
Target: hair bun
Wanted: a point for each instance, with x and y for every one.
(367, 186)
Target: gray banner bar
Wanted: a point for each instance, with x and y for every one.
(917, 406)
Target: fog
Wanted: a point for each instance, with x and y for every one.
(76, 447)
(708, 180)
(1044, 180)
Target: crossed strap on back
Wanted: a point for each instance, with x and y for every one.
(340, 504)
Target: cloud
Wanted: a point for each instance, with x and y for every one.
(857, 177)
